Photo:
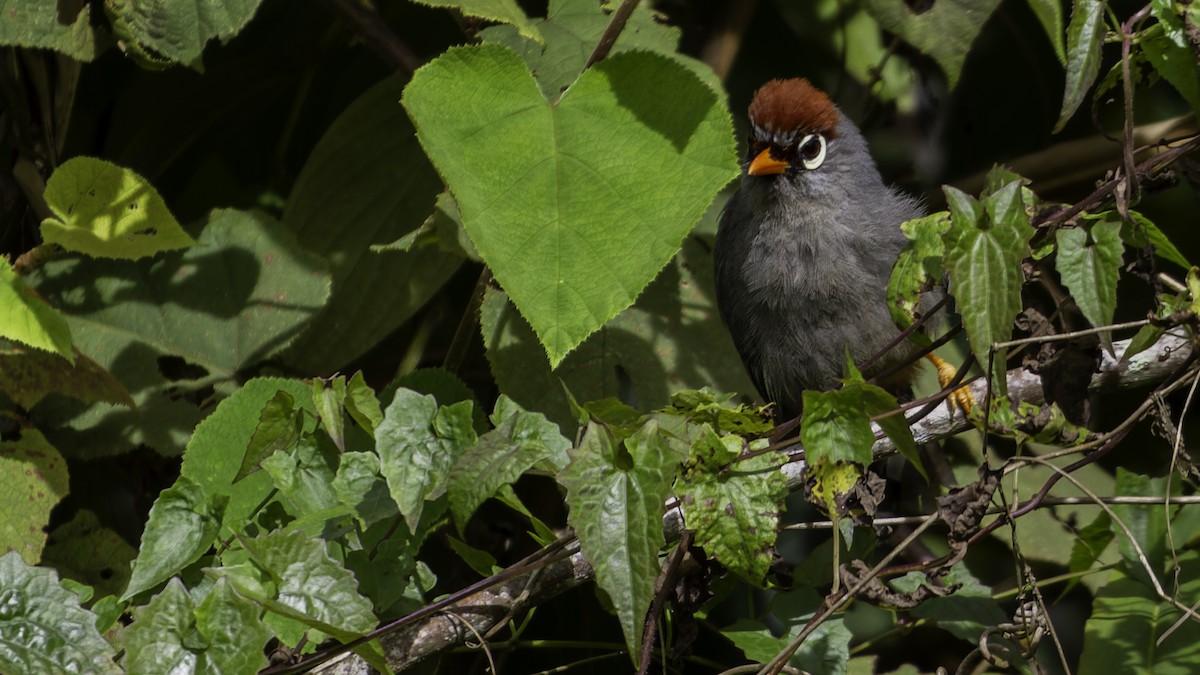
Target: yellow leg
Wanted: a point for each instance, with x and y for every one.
(959, 398)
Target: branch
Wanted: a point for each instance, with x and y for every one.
(492, 607)
(365, 19)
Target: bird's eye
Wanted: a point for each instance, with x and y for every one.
(812, 151)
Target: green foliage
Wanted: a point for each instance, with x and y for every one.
(366, 182)
(335, 220)
(944, 31)
(1084, 37)
(1127, 631)
(41, 25)
(418, 444)
(106, 211)
(966, 613)
(43, 628)
(34, 476)
(733, 505)
(825, 651)
(918, 268)
(985, 245)
(519, 442)
(176, 31)
(1089, 262)
(489, 130)
(27, 319)
(183, 522)
(172, 634)
(502, 11)
(28, 376)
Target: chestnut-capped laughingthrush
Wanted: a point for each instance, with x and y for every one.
(805, 248)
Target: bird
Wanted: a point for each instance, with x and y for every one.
(804, 250)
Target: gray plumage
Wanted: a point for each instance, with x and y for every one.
(802, 265)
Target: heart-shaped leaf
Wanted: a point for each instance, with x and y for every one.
(575, 206)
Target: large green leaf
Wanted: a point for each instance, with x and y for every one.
(42, 627)
(26, 318)
(237, 298)
(1050, 15)
(178, 30)
(617, 493)
(107, 211)
(670, 340)
(42, 25)
(216, 449)
(35, 479)
(1085, 34)
(576, 206)
(1172, 53)
(28, 375)
(366, 182)
(520, 441)
(1128, 620)
(944, 31)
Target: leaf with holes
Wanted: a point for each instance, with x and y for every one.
(106, 211)
(35, 479)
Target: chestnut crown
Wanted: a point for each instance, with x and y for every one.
(793, 106)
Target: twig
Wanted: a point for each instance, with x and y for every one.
(723, 45)
(492, 598)
(1062, 337)
(1048, 502)
(365, 19)
(465, 332)
(612, 32)
(829, 607)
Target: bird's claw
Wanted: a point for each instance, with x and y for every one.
(959, 399)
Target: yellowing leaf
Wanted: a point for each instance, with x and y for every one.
(26, 318)
(106, 211)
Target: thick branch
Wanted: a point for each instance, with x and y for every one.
(491, 607)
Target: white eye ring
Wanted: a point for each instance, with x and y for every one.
(816, 160)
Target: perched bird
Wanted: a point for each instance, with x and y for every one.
(805, 248)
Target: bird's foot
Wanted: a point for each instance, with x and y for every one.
(961, 398)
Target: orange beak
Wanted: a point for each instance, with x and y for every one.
(764, 164)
